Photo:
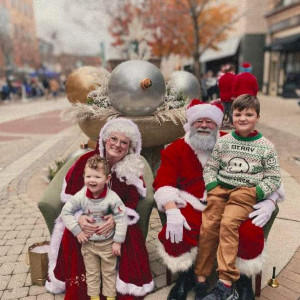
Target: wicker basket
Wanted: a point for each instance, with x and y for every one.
(38, 264)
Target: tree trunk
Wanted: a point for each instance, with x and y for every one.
(197, 66)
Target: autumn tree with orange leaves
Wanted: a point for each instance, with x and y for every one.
(188, 27)
(184, 27)
(129, 31)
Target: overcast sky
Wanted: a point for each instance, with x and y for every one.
(79, 30)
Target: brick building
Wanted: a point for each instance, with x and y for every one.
(19, 51)
(68, 62)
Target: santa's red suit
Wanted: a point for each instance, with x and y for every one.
(180, 179)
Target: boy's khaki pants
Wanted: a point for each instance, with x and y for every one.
(219, 233)
(100, 261)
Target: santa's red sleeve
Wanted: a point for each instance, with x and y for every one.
(165, 183)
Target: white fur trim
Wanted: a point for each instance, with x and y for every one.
(132, 289)
(133, 216)
(180, 263)
(168, 194)
(63, 196)
(130, 169)
(55, 286)
(194, 201)
(203, 111)
(251, 267)
(126, 126)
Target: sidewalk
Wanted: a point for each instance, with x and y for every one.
(22, 223)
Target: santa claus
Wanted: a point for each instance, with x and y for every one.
(180, 194)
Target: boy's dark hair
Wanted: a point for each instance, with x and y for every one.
(96, 160)
(246, 101)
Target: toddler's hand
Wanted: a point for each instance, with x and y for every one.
(116, 248)
(82, 237)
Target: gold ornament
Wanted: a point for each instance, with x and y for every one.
(82, 81)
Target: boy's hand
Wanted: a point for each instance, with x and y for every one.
(81, 237)
(116, 248)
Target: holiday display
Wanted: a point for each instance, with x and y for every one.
(136, 90)
(84, 80)
(185, 84)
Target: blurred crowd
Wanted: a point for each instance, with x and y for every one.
(13, 88)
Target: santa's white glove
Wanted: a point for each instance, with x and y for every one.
(263, 212)
(175, 223)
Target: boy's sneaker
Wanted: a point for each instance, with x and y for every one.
(222, 292)
(200, 290)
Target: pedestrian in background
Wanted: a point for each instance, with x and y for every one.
(225, 88)
(245, 82)
(54, 87)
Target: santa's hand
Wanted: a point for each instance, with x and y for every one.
(175, 223)
(263, 212)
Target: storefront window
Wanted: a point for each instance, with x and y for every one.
(292, 75)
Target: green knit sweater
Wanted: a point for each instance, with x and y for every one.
(243, 161)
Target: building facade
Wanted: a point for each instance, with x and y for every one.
(245, 42)
(69, 62)
(19, 50)
(282, 53)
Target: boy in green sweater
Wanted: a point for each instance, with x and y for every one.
(242, 170)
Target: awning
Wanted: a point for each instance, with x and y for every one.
(289, 43)
(226, 49)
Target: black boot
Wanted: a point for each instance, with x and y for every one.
(244, 288)
(200, 290)
(184, 283)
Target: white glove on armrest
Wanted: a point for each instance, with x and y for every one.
(262, 213)
(175, 223)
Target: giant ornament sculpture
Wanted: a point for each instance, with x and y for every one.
(84, 80)
(186, 83)
(136, 88)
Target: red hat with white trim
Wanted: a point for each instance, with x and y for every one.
(198, 109)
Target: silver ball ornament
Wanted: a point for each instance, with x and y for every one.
(186, 83)
(136, 88)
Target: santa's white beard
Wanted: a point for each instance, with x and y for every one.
(202, 141)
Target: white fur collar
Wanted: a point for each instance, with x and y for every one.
(129, 170)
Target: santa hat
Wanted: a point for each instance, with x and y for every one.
(125, 126)
(198, 109)
(246, 67)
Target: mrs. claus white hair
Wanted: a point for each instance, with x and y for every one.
(125, 126)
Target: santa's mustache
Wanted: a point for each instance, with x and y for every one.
(200, 130)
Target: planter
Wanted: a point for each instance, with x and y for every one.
(153, 133)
